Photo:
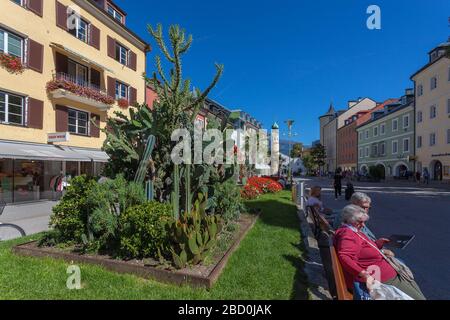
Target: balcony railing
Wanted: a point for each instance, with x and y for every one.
(79, 88)
(78, 81)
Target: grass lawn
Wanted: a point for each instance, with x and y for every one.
(268, 265)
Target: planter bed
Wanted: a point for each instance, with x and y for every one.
(202, 276)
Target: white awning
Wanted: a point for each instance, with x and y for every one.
(29, 151)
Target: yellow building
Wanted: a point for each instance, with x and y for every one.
(433, 115)
(80, 64)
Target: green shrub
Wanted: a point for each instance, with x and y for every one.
(228, 201)
(70, 216)
(142, 230)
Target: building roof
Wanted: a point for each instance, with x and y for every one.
(397, 107)
(366, 117)
(430, 63)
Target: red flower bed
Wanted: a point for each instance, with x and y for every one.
(257, 186)
(249, 192)
(80, 90)
(12, 64)
(123, 103)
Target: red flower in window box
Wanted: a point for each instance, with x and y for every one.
(123, 103)
(11, 64)
(80, 90)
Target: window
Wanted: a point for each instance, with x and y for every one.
(121, 90)
(448, 106)
(433, 84)
(361, 136)
(375, 131)
(78, 73)
(383, 149)
(367, 152)
(78, 122)
(448, 136)
(80, 30)
(375, 151)
(395, 125)
(19, 2)
(420, 90)
(361, 153)
(394, 147)
(406, 145)
(433, 112)
(367, 134)
(383, 129)
(406, 122)
(11, 109)
(419, 142)
(121, 54)
(11, 44)
(115, 14)
(432, 139)
(419, 117)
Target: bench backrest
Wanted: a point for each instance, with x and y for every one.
(339, 278)
(2, 206)
(320, 223)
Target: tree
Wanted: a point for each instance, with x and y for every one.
(309, 164)
(297, 150)
(318, 155)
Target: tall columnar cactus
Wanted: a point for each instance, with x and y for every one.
(146, 157)
(176, 192)
(187, 186)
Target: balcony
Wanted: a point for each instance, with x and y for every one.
(66, 86)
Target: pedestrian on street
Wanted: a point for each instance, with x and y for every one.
(426, 176)
(338, 184)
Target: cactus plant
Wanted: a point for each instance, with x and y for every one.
(176, 192)
(146, 157)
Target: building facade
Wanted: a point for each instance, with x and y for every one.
(432, 84)
(80, 65)
(387, 139)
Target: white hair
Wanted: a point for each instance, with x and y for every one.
(358, 198)
(354, 214)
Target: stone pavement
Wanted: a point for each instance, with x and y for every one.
(32, 217)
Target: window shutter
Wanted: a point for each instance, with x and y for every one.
(132, 61)
(35, 6)
(112, 87)
(95, 126)
(94, 39)
(62, 119)
(61, 15)
(35, 56)
(133, 96)
(96, 78)
(35, 114)
(111, 47)
(61, 63)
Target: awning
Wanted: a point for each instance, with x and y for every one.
(79, 56)
(29, 151)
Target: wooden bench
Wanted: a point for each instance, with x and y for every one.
(320, 223)
(339, 278)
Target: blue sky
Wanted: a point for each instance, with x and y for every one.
(289, 59)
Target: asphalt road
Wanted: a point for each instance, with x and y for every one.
(410, 209)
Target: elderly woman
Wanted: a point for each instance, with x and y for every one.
(315, 200)
(358, 254)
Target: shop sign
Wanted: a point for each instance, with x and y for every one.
(58, 137)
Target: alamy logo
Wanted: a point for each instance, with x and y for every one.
(374, 20)
(74, 280)
(73, 16)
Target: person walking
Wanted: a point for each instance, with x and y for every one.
(338, 184)
(426, 176)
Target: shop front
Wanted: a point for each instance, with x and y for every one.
(33, 172)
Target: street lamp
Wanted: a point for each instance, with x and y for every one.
(290, 124)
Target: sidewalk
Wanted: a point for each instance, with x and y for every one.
(32, 217)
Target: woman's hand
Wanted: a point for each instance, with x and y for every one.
(388, 253)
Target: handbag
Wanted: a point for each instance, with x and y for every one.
(403, 271)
